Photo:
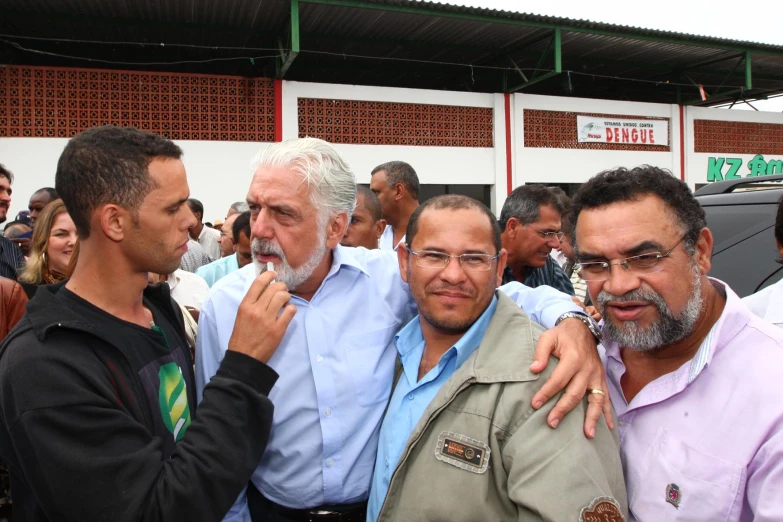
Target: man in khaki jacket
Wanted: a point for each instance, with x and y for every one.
(460, 440)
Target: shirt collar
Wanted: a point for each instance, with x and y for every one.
(411, 336)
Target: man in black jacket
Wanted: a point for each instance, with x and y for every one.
(97, 397)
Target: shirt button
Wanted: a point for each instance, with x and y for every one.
(329, 463)
(410, 396)
(328, 411)
(319, 359)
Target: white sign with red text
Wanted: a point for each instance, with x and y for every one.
(593, 129)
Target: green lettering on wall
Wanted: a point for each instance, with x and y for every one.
(714, 169)
(774, 167)
(757, 166)
(734, 166)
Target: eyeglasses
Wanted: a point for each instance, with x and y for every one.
(439, 260)
(549, 235)
(639, 265)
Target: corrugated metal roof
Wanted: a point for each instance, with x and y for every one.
(404, 43)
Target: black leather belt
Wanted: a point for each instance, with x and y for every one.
(259, 505)
(337, 513)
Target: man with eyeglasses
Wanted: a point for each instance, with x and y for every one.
(530, 225)
(693, 375)
(459, 440)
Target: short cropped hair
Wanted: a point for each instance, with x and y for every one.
(623, 185)
(239, 207)
(453, 202)
(196, 206)
(241, 224)
(371, 201)
(7, 174)
(50, 191)
(524, 204)
(400, 172)
(108, 165)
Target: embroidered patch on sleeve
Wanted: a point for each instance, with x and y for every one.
(602, 509)
(463, 452)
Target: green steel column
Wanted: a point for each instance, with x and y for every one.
(289, 57)
(748, 76)
(558, 51)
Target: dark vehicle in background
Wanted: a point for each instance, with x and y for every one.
(741, 215)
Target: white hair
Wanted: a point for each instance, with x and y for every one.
(330, 178)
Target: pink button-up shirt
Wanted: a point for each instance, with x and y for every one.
(705, 442)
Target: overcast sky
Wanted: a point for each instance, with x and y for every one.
(760, 21)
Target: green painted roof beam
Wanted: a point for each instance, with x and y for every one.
(287, 59)
(558, 64)
(499, 19)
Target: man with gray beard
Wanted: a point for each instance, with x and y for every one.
(693, 375)
(337, 358)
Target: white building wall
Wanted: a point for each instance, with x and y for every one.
(555, 165)
(698, 164)
(218, 172)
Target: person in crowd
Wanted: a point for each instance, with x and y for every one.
(570, 265)
(565, 202)
(51, 248)
(768, 303)
(12, 305)
(226, 239)
(11, 257)
(186, 288)
(39, 200)
(195, 257)
(694, 376)
(240, 230)
(465, 390)
(367, 225)
(206, 236)
(237, 208)
(530, 221)
(337, 357)
(397, 187)
(19, 232)
(97, 396)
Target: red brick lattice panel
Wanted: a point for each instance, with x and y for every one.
(60, 102)
(737, 137)
(388, 123)
(558, 130)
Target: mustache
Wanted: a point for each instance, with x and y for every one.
(639, 294)
(266, 247)
(451, 288)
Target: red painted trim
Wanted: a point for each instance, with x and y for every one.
(509, 184)
(278, 110)
(682, 144)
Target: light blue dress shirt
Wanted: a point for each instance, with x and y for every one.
(336, 365)
(218, 269)
(411, 397)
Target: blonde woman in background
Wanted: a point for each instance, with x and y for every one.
(51, 248)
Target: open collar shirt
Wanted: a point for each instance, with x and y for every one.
(336, 365)
(705, 442)
(386, 242)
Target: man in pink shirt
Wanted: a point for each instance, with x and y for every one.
(693, 375)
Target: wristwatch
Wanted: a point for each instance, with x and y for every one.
(589, 322)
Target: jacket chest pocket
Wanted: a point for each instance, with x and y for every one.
(676, 482)
(370, 359)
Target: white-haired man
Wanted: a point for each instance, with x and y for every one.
(336, 360)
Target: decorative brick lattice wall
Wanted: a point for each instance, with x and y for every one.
(558, 130)
(388, 123)
(60, 102)
(737, 137)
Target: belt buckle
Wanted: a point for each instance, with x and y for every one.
(317, 513)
